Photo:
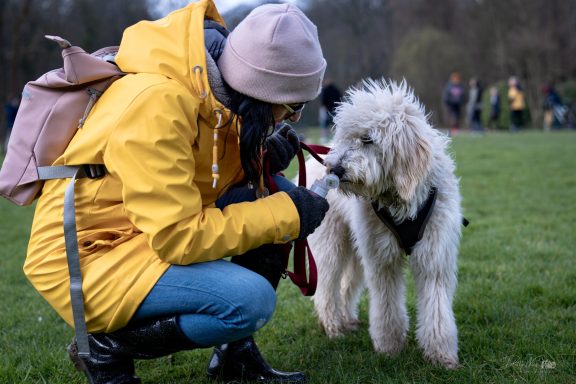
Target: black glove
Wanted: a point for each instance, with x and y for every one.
(282, 146)
(311, 208)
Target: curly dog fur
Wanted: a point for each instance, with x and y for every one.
(385, 151)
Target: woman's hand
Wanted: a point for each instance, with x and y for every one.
(311, 207)
(281, 148)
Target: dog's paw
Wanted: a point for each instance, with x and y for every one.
(388, 339)
(352, 325)
(333, 330)
(448, 362)
(390, 348)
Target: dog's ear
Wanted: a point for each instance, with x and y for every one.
(412, 159)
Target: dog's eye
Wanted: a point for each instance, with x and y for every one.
(366, 140)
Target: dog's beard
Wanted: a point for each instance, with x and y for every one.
(365, 179)
(366, 176)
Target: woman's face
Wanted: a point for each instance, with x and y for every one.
(290, 112)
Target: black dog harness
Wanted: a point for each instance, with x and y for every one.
(408, 232)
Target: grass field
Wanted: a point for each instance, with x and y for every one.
(515, 303)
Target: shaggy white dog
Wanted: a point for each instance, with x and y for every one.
(390, 159)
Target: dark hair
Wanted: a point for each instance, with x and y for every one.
(257, 124)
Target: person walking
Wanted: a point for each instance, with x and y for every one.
(181, 137)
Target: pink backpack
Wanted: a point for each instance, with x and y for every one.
(52, 109)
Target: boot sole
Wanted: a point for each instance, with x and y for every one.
(229, 379)
(77, 361)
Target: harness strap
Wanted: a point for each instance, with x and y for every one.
(408, 232)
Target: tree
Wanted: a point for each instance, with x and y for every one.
(419, 40)
(441, 53)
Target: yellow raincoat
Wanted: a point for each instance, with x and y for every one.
(153, 130)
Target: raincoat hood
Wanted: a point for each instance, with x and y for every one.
(172, 46)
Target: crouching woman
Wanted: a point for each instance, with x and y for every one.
(181, 136)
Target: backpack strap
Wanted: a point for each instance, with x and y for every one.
(91, 171)
(57, 172)
(73, 258)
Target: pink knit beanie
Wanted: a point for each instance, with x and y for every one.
(274, 55)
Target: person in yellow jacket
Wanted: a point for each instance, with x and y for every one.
(181, 137)
(517, 104)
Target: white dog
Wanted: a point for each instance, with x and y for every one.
(389, 159)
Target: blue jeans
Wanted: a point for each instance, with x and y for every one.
(217, 301)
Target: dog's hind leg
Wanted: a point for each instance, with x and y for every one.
(434, 271)
(387, 314)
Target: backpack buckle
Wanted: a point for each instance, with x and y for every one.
(94, 171)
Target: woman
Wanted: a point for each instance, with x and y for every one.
(181, 137)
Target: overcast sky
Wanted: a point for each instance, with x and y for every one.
(226, 5)
(163, 7)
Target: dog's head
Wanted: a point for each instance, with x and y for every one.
(381, 147)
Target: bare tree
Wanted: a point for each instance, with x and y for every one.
(419, 40)
(25, 54)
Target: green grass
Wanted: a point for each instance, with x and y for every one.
(515, 304)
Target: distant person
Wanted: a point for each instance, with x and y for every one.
(453, 98)
(554, 109)
(329, 98)
(570, 114)
(517, 104)
(10, 110)
(474, 106)
(494, 108)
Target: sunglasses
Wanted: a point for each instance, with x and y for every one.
(293, 109)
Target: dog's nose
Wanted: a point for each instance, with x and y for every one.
(338, 170)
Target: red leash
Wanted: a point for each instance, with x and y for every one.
(306, 283)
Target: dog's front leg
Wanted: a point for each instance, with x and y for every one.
(330, 244)
(387, 314)
(435, 276)
(351, 287)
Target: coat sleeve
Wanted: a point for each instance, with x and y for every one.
(150, 152)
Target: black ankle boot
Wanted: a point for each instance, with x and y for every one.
(241, 361)
(112, 355)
